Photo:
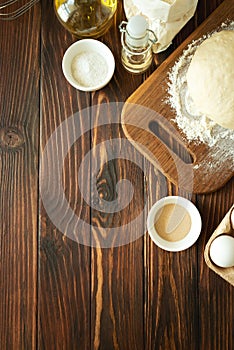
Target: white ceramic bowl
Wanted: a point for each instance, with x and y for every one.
(189, 239)
(90, 47)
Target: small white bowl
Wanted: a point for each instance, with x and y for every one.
(192, 235)
(88, 46)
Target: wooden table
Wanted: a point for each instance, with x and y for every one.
(60, 294)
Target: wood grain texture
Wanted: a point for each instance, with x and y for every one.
(117, 272)
(19, 125)
(60, 294)
(64, 281)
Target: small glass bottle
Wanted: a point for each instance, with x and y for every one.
(136, 53)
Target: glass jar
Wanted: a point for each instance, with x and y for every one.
(136, 52)
(85, 18)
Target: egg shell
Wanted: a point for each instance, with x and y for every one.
(222, 251)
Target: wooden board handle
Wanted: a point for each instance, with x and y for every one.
(161, 143)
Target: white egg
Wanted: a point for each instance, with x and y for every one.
(222, 251)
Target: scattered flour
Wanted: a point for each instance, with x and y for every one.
(89, 68)
(196, 127)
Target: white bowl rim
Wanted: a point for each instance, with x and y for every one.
(190, 238)
(93, 44)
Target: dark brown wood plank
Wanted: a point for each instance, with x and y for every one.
(64, 278)
(117, 271)
(135, 296)
(19, 126)
(117, 298)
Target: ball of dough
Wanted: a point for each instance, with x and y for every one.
(210, 78)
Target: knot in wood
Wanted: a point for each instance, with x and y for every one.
(11, 138)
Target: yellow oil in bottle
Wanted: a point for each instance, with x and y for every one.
(86, 18)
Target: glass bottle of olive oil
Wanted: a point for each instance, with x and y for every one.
(85, 18)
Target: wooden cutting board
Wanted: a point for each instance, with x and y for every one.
(146, 114)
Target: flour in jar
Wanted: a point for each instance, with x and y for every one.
(196, 127)
(89, 68)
